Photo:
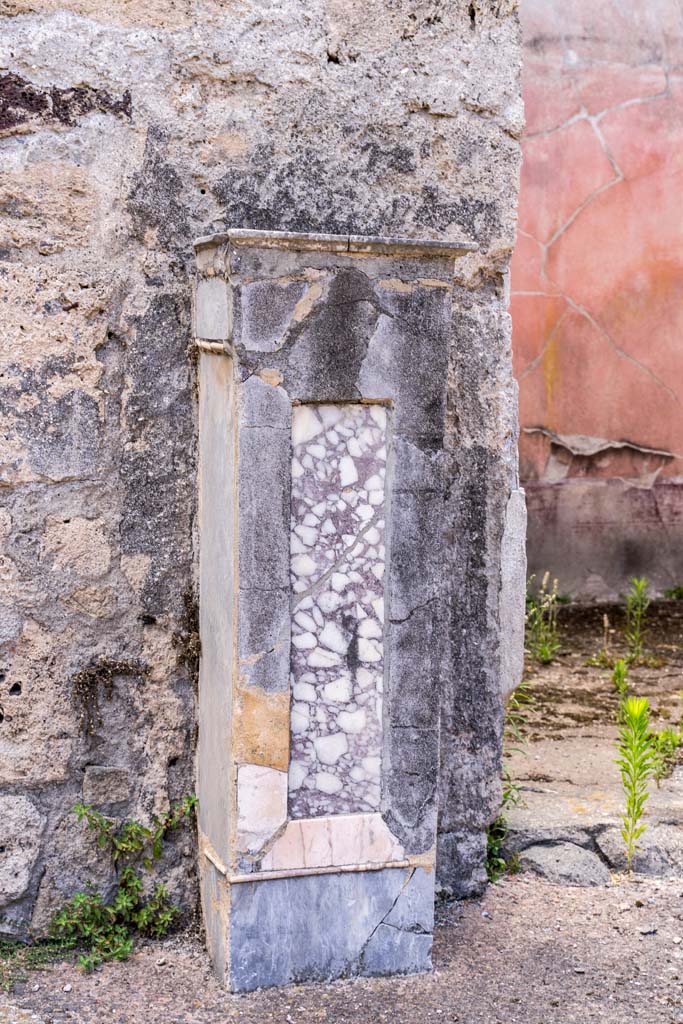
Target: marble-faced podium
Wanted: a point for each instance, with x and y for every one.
(323, 373)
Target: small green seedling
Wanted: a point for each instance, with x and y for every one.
(520, 703)
(620, 677)
(674, 593)
(636, 765)
(665, 747)
(541, 634)
(637, 604)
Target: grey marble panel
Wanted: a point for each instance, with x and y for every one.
(321, 927)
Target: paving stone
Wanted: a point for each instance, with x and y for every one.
(565, 864)
(660, 850)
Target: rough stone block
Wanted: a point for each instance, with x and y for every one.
(416, 545)
(22, 827)
(565, 864)
(264, 405)
(409, 351)
(411, 785)
(417, 468)
(660, 850)
(414, 657)
(267, 310)
(105, 785)
(77, 864)
(461, 856)
(264, 639)
(324, 364)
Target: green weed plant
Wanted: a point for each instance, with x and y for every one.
(637, 604)
(666, 745)
(17, 959)
(636, 765)
(541, 633)
(107, 931)
(517, 712)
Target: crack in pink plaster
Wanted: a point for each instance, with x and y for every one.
(560, 293)
(583, 115)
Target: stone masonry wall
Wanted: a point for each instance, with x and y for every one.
(126, 130)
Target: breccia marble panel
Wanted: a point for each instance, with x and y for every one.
(337, 562)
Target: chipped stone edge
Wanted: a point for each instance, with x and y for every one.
(304, 241)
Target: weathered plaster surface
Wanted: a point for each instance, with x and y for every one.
(596, 289)
(127, 130)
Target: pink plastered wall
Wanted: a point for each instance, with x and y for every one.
(597, 292)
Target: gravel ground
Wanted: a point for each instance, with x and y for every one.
(527, 952)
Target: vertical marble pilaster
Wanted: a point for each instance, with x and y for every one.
(337, 570)
(319, 714)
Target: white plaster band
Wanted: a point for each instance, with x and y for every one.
(216, 348)
(214, 859)
(296, 872)
(302, 241)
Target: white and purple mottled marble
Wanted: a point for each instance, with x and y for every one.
(337, 568)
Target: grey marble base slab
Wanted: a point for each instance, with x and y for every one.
(321, 927)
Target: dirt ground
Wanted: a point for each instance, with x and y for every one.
(566, 772)
(528, 952)
(571, 694)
